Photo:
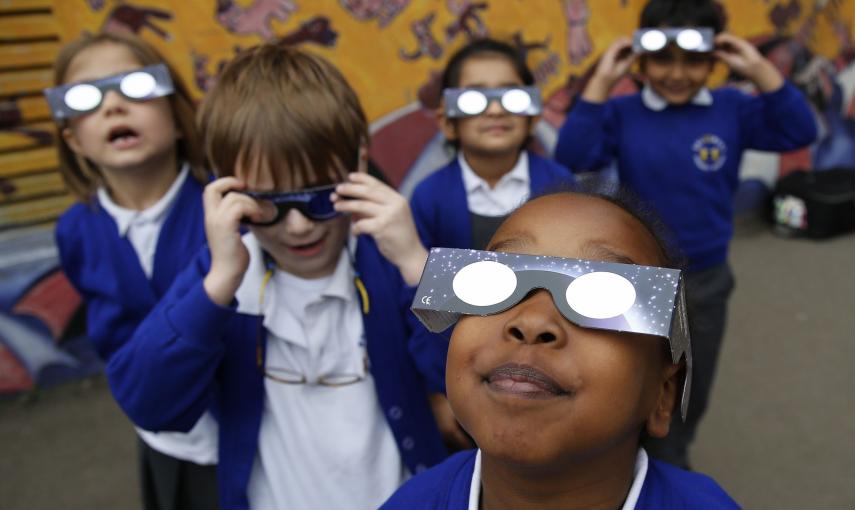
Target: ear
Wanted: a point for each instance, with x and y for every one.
(659, 420)
(446, 125)
(70, 139)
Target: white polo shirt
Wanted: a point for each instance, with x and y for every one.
(510, 192)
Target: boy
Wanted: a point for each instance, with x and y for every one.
(297, 331)
(554, 368)
(678, 145)
(462, 204)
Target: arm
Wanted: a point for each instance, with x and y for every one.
(779, 119)
(586, 140)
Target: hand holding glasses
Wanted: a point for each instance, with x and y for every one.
(75, 99)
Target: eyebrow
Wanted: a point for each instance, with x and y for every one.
(482, 85)
(517, 241)
(600, 250)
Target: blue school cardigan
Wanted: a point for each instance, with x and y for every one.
(440, 208)
(446, 487)
(191, 354)
(106, 271)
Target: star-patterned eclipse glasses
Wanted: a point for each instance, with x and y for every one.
(625, 298)
(74, 99)
(467, 102)
(694, 39)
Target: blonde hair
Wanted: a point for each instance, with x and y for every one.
(81, 176)
(287, 108)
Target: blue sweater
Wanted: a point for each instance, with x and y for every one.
(685, 159)
(191, 354)
(440, 208)
(446, 487)
(106, 271)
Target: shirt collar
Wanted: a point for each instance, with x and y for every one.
(657, 103)
(639, 475)
(124, 217)
(472, 181)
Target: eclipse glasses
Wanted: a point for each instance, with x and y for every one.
(75, 99)
(467, 102)
(624, 298)
(694, 39)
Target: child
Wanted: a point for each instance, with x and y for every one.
(129, 152)
(678, 145)
(298, 331)
(555, 397)
(462, 204)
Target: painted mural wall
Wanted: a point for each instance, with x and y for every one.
(392, 51)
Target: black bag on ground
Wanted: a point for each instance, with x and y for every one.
(815, 204)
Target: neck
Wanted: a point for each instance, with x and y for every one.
(491, 167)
(599, 483)
(141, 187)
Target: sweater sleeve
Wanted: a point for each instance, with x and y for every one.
(163, 377)
(422, 214)
(586, 141)
(777, 121)
(428, 350)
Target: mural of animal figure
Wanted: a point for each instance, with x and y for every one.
(468, 20)
(384, 11)
(579, 44)
(130, 18)
(254, 19)
(427, 43)
(317, 30)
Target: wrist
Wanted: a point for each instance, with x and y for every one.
(598, 89)
(412, 264)
(221, 287)
(766, 77)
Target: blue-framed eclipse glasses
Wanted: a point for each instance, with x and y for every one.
(625, 298)
(694, 39)
(313, 203)
(74, 99)
(475, 101)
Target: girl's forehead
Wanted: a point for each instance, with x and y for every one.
(577, 226)
(488, 70)
(100, 61)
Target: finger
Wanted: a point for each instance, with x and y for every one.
(234, 207)
(365, 226)
(214, 191)
(363, 208)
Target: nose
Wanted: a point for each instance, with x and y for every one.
(494, 108)
(112, 103)
(677, 70)
(296, 224)
(535, 320)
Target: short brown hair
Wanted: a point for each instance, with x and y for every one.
(81, 176)
(291, 109)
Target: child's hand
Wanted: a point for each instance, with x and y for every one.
(453, 435)
(229, 257)
(384, 214)
(614, 63)
(741, 56)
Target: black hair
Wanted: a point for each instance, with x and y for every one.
(683, 13)
(481, 48)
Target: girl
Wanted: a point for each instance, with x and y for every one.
(128, 151)
(558, 367)
(489, 112)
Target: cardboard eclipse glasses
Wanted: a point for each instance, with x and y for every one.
(75, 99)
(468, 102)
(624, 298)
(694, 39)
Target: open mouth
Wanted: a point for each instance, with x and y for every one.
(122, 136)
(524, 381)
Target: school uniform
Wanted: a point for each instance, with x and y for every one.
(456, 485)
(271, 434)
(454, 208)
(122, 262)
(684, 161)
